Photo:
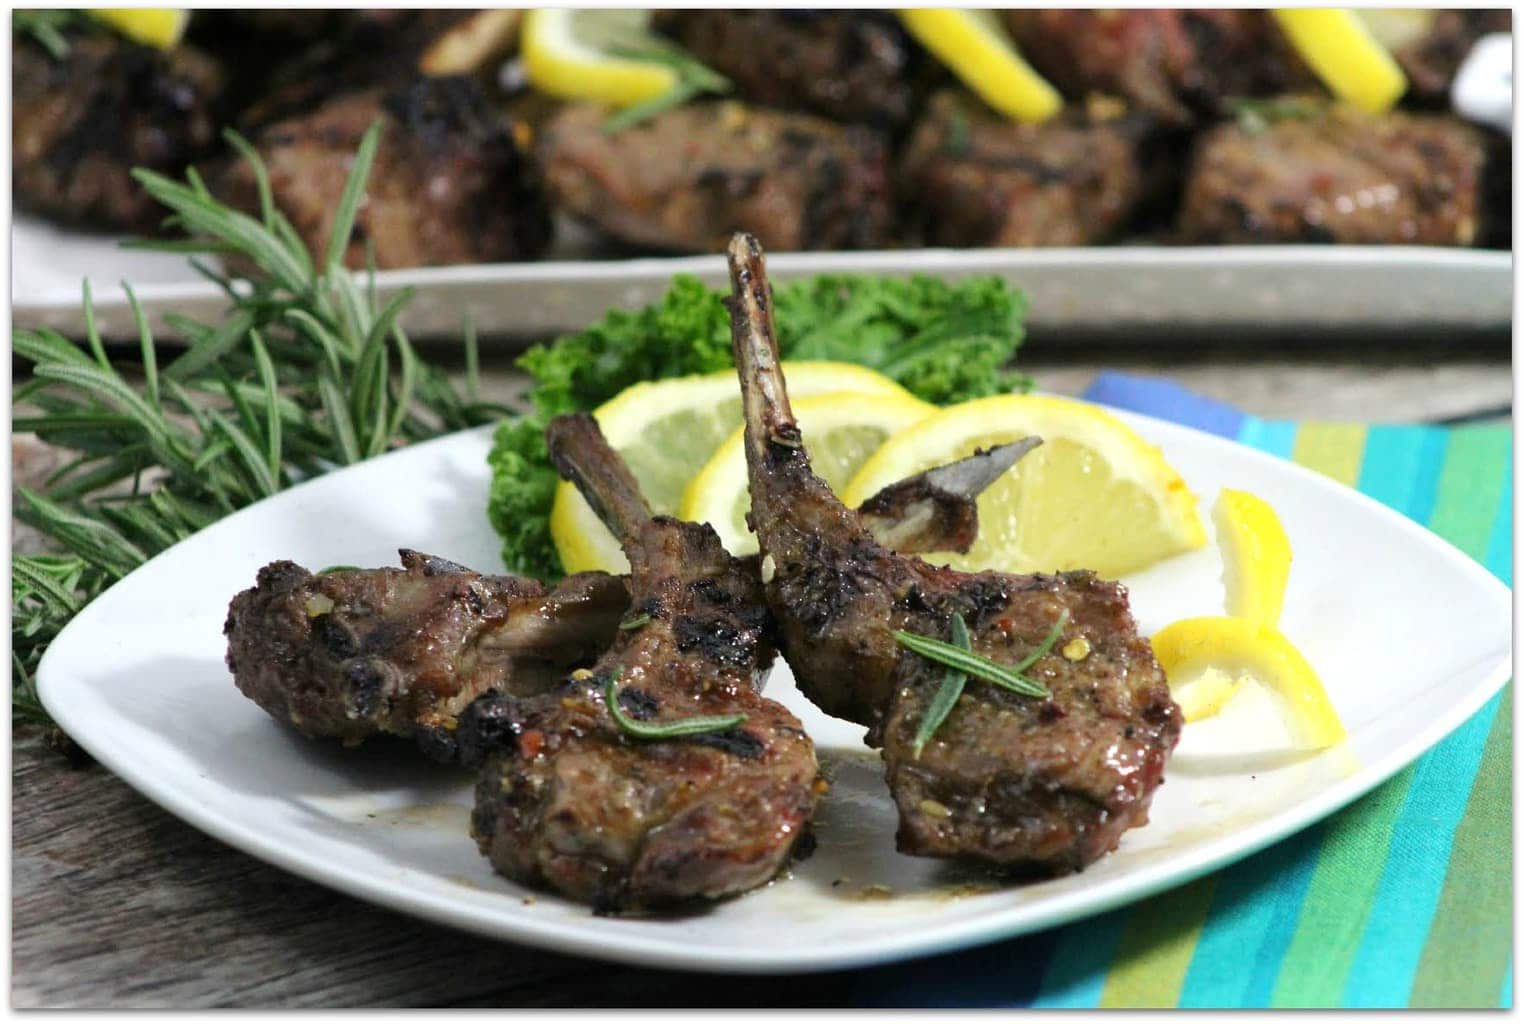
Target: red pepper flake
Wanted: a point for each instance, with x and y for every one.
(531, 743)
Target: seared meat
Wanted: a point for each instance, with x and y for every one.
(351, 654)
(355, 653)
(970, 177)
(1031, 785)
(854, 66)
(1432, 59)
(685, 179)
(577, 803)
(79, 124)
(1178, 65)
(1337, 175)
(449, 183)
(352, 51)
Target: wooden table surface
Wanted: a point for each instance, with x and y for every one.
(117, 903)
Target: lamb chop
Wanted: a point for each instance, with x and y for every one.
(584, 792)
(684, 179)
(1032, 785)
(1328, 173)
(449, 183)
(353, 653)
(1177, 65)
(81, 122)
(970, 177)
(859, 67)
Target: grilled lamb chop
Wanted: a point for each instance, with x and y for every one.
(347, 51)
(972, 178)
(354, 653)
(687, 178)
(449, 183)
(1337, 175)
(1029, 785)
(351, 654)
(573, 801)
(82, 122)
(852, 66)
(1178, 65)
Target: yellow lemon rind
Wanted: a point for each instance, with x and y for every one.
(1240, 647)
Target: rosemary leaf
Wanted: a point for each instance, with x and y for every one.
(670, 729)
(980, 667)
(947, 694)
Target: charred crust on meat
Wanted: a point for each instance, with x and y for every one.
(365, 686)
(438, 744)
(638, 704)
(733, 741)
(489, 724)
(337, 639)
(716, 639)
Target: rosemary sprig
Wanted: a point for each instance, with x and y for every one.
(669, 729)
(694, 79)
(306, 372)
(947, 694)
(1004, 676)
(46, 28)
(1255, 115)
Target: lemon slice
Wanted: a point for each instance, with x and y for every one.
(841, 429)
(1095, 495)
(1256, 556)
(571, 54)
(160, 27)
(666, 431)
(1206, 695)
(1237, 647)
(977, 49)
(1344, 55)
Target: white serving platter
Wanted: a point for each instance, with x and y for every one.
(1410, 636)
(1373, 291)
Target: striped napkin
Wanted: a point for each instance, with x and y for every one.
(1404, 898)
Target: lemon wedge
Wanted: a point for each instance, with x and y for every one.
(1345, 56)
(1095, 495)
(841, 429)
(1238, 648)
(978, 51)
(159, 27)
(667, 430)
(1206, 695)
(573, 55)
(1256, 556)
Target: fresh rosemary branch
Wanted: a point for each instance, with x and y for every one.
(670, 729)
(1007, 677)
(305, 373)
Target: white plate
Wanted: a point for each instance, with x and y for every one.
(1410, 636)
(1295, 289)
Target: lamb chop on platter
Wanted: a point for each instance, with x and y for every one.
(661, 776)
(354, 653)
(1029, 784)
